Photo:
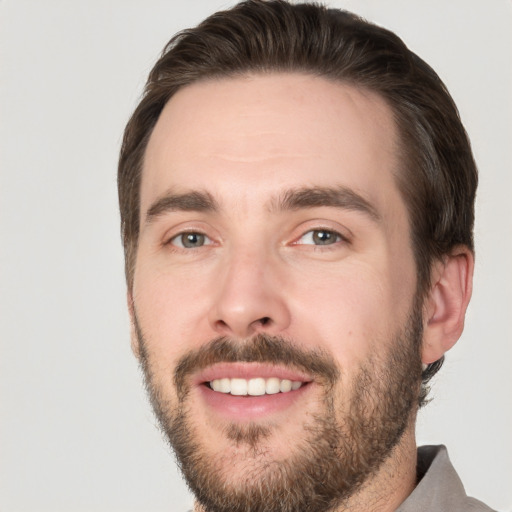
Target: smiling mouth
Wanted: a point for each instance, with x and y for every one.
(250, 392)
(258, 386)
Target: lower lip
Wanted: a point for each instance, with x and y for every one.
(250, 408)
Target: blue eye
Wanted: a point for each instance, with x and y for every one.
(190, 240)
(320, 237)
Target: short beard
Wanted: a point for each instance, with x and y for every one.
(335, 456)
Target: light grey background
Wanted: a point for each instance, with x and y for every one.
(76, 433)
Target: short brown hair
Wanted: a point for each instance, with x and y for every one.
(438, 175)
(438, 179)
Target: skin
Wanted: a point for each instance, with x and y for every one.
(246, 141)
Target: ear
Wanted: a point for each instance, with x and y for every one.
(446, 304)
(133, 330)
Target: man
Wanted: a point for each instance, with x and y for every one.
(296, 193)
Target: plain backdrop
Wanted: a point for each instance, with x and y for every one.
(76, 433)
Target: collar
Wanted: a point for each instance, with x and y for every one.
(439, 487)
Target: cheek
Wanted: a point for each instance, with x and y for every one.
(172, 311)
(354, 312)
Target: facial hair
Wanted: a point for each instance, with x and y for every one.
(335, 456)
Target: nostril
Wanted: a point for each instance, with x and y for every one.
(239, 328)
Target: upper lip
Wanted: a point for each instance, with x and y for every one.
(245, 370)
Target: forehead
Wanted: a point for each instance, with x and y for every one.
(255, 133)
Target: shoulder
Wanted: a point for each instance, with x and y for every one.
(439, 487)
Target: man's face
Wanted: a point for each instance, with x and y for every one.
(275, 266)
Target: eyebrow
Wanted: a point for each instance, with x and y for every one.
(197, 201)
(313, 197)
(293, 199)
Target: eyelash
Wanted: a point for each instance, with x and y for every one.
(338, 237)
(183, 234)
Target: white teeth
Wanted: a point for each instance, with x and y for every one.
(254, 387)
(272, 386)
(225, 385)
(296, 385)
(285, 386)
(238, 387)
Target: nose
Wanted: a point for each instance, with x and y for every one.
(249, 298)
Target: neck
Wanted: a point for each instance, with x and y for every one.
(392, 484)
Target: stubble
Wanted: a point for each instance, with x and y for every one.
(336, 453)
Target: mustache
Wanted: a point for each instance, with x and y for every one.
(261, 348)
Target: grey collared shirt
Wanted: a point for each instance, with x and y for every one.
(440, 488)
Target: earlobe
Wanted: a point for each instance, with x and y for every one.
(446, 304)
(133, 330)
